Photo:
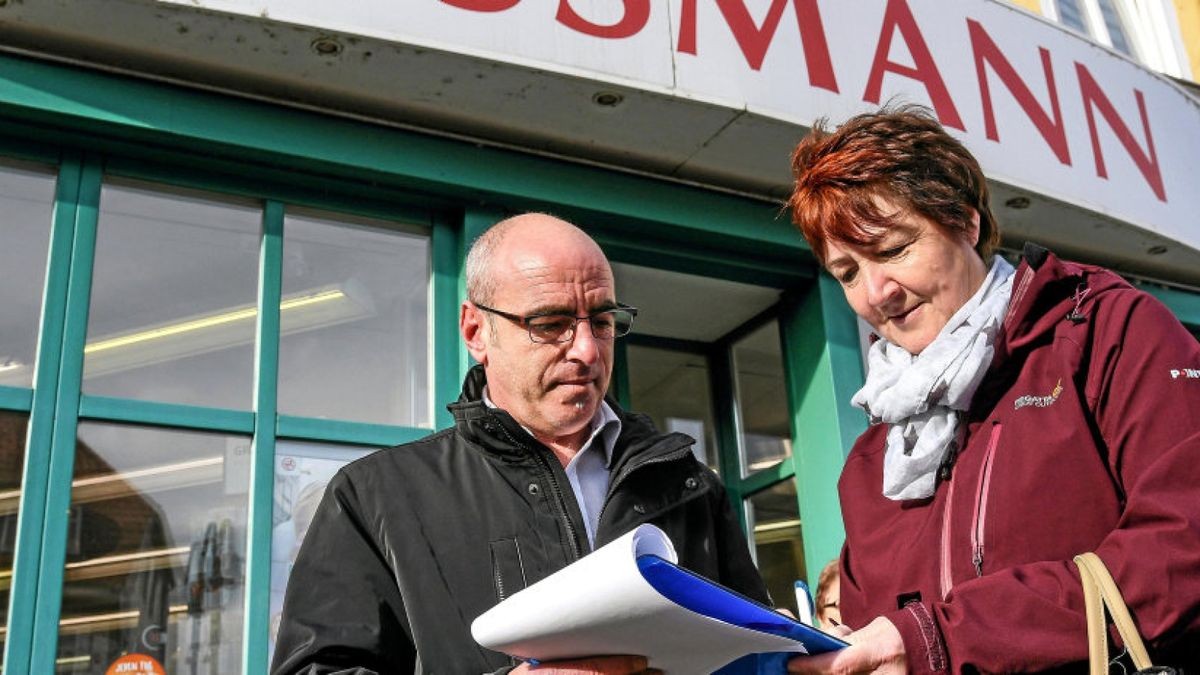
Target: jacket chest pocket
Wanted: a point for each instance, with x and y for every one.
(508, 569)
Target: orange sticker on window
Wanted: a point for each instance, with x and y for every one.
(136, 664)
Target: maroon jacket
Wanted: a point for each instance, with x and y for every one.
(1085, 435)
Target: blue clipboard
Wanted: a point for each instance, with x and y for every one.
(694, 592)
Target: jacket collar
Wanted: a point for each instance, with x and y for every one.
(1048, 291)
(497, 433)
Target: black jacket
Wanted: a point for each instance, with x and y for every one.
(410, 544)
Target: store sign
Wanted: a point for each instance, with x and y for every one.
(1042, 108)
(135, 664)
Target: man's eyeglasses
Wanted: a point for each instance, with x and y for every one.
(551, 328)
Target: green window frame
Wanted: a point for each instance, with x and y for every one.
(56, 404)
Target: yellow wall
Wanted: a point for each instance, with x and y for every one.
(1188, 13)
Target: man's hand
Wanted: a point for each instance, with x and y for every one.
(876, 648)
(596, 665)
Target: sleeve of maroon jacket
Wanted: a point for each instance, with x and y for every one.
(1147, 408)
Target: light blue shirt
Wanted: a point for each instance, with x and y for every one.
(588, 470)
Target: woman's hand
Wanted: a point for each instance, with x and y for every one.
(876, 648)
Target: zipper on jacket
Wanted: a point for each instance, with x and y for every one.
(947, 579)
(555, 489)
(946, 472)
(624, 473)
(979, 518)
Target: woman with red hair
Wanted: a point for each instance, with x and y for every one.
(1019, 417)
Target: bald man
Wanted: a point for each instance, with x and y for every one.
(411, 544)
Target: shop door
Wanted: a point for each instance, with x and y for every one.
(706, 358)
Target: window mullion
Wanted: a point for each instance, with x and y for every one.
(61, 455)
(31, 508)
(1096, 25)
(262, 470)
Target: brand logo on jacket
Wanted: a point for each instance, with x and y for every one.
(1039, 401)
(1186, 373)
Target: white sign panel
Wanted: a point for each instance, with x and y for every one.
(1042, 108)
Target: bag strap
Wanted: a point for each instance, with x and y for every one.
(1098, 587)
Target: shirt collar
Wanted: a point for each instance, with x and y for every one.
(604, 424)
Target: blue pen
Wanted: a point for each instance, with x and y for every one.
(804, 603)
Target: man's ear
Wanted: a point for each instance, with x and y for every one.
(471, 325)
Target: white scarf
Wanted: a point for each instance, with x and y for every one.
(920, 396)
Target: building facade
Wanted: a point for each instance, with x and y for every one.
(233, 236)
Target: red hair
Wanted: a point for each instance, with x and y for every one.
(902, 155)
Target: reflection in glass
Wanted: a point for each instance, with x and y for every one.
(672, 387)
(774, 517)
(302, 470)
(360, 349)
(173, 298)
(766, 437)
(26, 205)
(155, 550)
(1115, 24)
(12, 463)
(1070, 14)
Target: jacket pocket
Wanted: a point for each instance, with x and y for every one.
(508, 570)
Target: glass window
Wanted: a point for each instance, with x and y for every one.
(774, 518)
(355, 321)
(12, 462)
(173, 298)
(302, 470)
(672, 387)
(155, 550)
(26, 206)
(1071, 14)
(1115, 24)
(765, 428)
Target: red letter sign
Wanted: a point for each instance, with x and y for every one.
(986, 52)
(1147, 162)
(483, 5)
(637, 12)
(898, 15)
(754, 40)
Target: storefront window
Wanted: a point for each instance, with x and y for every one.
(155, 550)
(302, 470)
(354, 320)
(672, 387)
(174, 294)
(766, 437)
(26, 203)
(1115, 23)
(1071, 14)
(12, 463)
(774, 518)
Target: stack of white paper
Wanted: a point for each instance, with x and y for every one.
(602, 605)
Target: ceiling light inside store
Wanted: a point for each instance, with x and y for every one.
(204, 333)
(130, 483)
(13, 372)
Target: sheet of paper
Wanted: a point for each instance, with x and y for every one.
(602, 605)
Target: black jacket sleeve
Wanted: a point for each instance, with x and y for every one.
(342, 612)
